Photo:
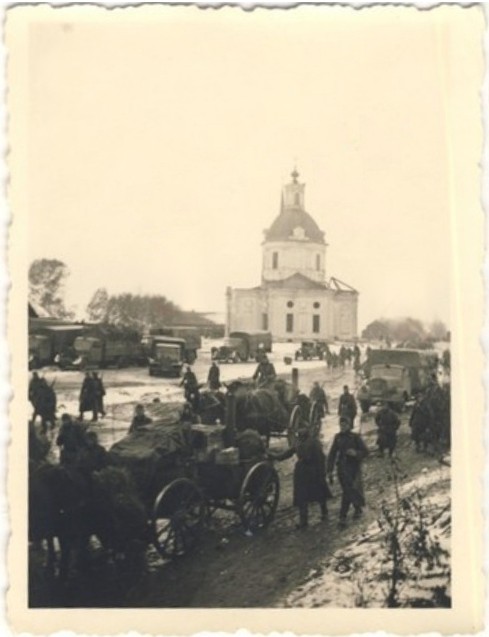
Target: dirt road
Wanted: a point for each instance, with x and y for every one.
(280, 567)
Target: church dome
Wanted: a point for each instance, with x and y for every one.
(293, 222)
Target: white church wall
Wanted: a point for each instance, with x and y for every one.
(293, 256)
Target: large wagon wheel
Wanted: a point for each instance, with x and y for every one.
(315, 417)
(258, 497)
(178, 517)
(294, 425)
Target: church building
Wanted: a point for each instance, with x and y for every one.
(295, 300)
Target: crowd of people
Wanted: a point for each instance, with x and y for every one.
(314, 471)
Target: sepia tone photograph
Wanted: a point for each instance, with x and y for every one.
(241, 273)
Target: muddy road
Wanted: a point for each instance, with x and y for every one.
(279, 567)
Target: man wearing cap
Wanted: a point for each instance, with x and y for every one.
(265, 371)
(347, 453)
(347, 406)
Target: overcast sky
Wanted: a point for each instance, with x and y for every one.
(158, 151)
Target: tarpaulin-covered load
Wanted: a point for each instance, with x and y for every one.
(164, 413)
(152, 455)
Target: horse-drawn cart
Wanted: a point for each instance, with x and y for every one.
(184, 474)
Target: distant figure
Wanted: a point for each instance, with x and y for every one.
(388, 423)
(318, 395)
(71, 439)
(265, 372)
(421, 424)
(347, 406)
(33, 392)
(45, 405)
(213, 377)
(191, 387)
(189, 416)
(98, 393)
(87, 397)
(347, 453)
(140, 419)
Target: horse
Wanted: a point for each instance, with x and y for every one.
(71, 505)
(266, 408)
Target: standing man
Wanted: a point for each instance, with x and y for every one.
(45, 405)
(87, 397)
(191, 387)
(71, 439)
(213, 377)
(347, 453)
(309, 475)
(388, 423)
(318, 395)
(34, 385)
(347, 406)
(98, 393)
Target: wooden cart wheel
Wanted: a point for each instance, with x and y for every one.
(178, 518)
(294, 425)
(315, 417)
(258, 497)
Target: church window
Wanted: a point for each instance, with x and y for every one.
(316, 305)
(289, 322)
(264, 321)
(274, 260)
(318, 261)
(316, 322)
(297, 198)
(290, 303)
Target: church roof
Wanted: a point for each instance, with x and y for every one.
(283, 227)
(296, 281)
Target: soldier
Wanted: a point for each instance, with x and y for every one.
(265, 371)
(140, 419)
(347, 453)
(92, 456)
(45, 405)
(347, 405)
(71, 439)
(309, 475)
(98, 393)
(191, 387)
(87, 397)
(387, 423)
(421, 422)
(213, 377)
(318, 395)
(33, 392)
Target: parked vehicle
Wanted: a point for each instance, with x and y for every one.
(191, 336)
(243, 346)
(47, 342)
(387, 383)
(166, 355)
(309, 350)
(104, 351)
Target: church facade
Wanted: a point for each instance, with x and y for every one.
(295, 300)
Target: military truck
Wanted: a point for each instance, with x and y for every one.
(166, 355)
(46, 343)
(191, 336)
(242, 347)
(103, 346)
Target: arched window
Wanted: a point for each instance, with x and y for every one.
(297, 199)
(274, 260)
(318, 261)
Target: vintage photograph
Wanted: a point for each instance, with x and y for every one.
(241, 255)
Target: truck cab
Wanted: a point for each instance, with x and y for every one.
(388, 383)
(166, 355)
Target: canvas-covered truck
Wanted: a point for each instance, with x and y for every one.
(390, 384)
(166, 355)
(46, 344)
(242, 347)
(100, 347)
(419, 363)
(191, 336)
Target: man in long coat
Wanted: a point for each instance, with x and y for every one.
(421, 424)
(347, 453)
(45, 405)
(388, 423)
(87, 397)
(309, 475)
(213, 377)
(98, 393)
(191, 387)
(34, 385)
(347, 405)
